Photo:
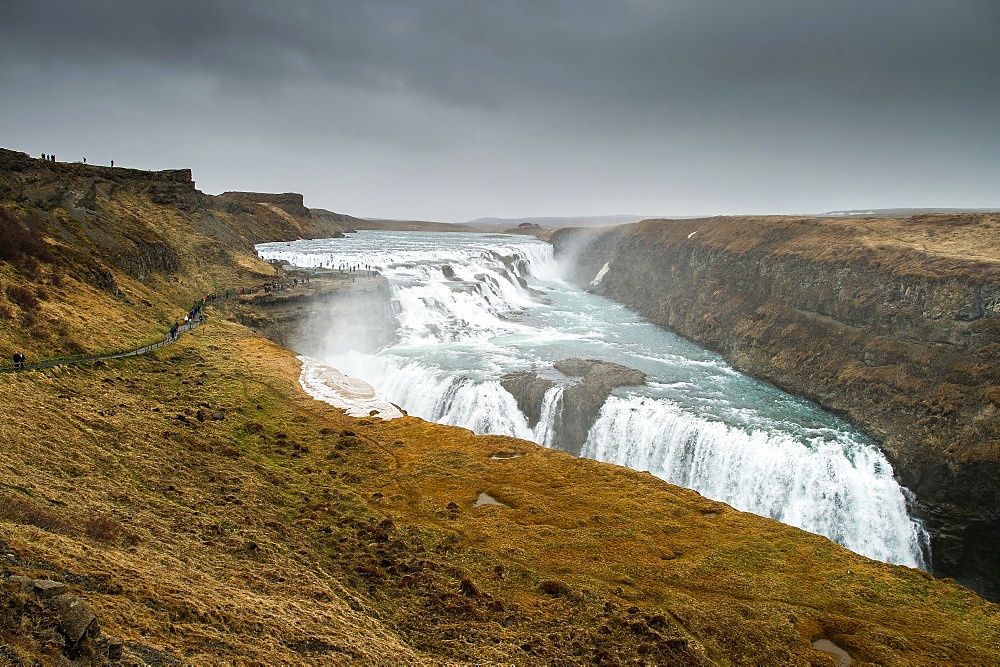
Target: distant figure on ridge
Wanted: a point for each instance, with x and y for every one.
(85, 160)
(112, 163)
(43, 156)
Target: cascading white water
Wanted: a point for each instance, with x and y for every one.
(473, 307)
(839, 487)
(544, 432)
(483, 407)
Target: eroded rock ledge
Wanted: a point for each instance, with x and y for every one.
(589, 382)
(894, 324)
(330, 308)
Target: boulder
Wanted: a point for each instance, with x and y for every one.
(46, 589)
(528, 390)
(74, 618)
(582, 401)
(590, 382)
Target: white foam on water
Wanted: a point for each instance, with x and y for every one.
(466, 317)
(428, 393)
(356, 397)
(840, 488)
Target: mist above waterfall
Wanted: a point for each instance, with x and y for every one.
(472, 308)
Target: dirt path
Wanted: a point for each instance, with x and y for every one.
(146, 349)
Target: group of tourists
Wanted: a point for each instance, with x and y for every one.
(196, 314)
(358, 268)
(52, 158)
(349, 269)
(192, 318)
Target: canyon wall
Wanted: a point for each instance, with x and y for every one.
(234, 220)
(894, 324)
(329, 312)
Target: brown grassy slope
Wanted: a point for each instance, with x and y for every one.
(103, 222)
(935, 245)
(289, 532)
(129, 253)
(85, 303)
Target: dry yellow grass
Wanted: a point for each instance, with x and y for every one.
(289, 533)
(935, 244)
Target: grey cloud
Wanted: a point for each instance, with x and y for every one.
(476, 52)
(604, 88)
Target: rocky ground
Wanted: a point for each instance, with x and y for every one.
(205, 510)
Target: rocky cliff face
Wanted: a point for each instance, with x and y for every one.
(894, 324)
(330, 310)
(47, 185)
(238, 219)
(587, 384)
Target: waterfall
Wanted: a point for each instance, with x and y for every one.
(472, 308)
(545, 429)
(483, 407)
(838, 487)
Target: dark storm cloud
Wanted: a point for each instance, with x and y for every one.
(472, 52)
(704, 82)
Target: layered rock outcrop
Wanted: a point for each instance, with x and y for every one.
(328, 313)
(588, 383)
(894, 324)
(290, 202)
(234, 220)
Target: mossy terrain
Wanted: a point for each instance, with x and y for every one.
(208, 511)
(287, 532)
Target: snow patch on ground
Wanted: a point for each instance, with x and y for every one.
(356, 397)
(600, 275)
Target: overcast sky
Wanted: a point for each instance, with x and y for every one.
(449, 110)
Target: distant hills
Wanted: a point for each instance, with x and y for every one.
(411, 226)
(901, 212)
(496, 224)
(559, 222)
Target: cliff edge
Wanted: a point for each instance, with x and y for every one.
(893, 323)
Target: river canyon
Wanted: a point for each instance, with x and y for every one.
(491, 334)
